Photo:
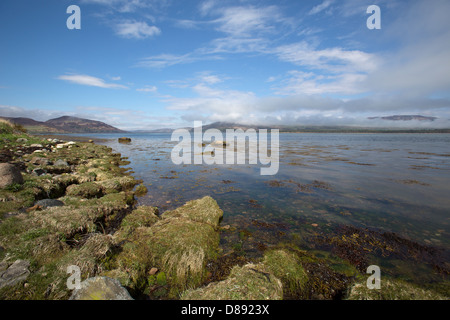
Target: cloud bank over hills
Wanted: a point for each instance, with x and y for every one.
(156, 64)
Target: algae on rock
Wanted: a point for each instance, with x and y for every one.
(249, 282)
(179, 243)
(392, 289)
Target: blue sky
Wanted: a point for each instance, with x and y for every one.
(145, 64)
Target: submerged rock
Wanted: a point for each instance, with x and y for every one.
(9, 175)
(100, 288)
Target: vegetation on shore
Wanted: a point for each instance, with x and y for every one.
(76, 206)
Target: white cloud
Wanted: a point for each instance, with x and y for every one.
(330, 59)
(299, 82)
(148, 89)
(246, 21)
(320, 7)
(86, 80)
(137, 30)
(128, 6)
(167, 60)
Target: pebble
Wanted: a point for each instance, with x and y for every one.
(153, 271)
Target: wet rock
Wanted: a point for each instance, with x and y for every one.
(219, 143)
(124, 140)
(16, 272)
(100, 288)
(47, 203)
(9, 175)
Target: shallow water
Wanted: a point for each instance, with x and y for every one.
(391, 182)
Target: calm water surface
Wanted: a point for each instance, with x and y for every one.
(391, 182)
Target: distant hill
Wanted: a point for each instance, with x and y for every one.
(64, 124)
(79, 125)
(34, 126)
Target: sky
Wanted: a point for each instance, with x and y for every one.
(148, 64)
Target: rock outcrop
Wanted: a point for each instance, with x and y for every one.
(9, 175)
(100, 288)
(14, 273)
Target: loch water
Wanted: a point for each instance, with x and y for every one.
(387, 182)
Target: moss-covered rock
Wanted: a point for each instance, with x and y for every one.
(118, 184)
(249, 282)
(205, 210)
(144, 216)
(179, 243)
(392, 289)
(100, 288)
(86, 190)
(287, 267)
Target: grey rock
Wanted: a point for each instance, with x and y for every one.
(9, 175)
(20, 140)
(40, 161)
(16, 272)
(100, 288)
(47, 203)
(61, 163)
(36, 145)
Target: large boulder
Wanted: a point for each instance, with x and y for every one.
(9, 175)
(100, 288)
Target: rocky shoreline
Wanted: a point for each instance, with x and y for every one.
(75, 205)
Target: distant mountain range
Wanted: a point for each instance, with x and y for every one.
(222, 126)
(65, 124)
